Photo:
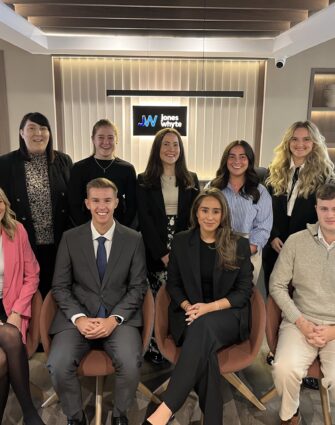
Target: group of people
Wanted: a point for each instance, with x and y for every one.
(74, 229)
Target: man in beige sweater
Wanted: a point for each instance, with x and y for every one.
(307, 260)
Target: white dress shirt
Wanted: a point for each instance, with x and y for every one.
(294, 195)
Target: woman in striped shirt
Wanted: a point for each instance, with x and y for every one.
(249, 202)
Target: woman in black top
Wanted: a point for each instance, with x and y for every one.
(35, 179)
(165, 193)
(103, 163)
(210, 285)
(301, 164)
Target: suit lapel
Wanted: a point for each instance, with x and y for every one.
(194, 259)
(9, 256)
(88, 249)
(157, 197)
(217, 273)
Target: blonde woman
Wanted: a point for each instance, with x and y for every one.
(18, 282)
(300, 166)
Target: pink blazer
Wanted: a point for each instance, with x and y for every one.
(21, 276)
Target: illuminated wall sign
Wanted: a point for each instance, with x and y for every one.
(147, 120)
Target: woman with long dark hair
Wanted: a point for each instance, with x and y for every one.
(210, 285)
(165, 193)
(249, 202)
(35, 179)
(18, 283)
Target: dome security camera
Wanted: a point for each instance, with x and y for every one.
(280, 63)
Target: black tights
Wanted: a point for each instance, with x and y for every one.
(17, 374)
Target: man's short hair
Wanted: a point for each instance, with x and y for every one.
(326, 192)
(100, 183)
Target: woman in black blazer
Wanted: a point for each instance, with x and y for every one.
(210, 285)
(35, 179)
(301, 165)
(165, 193)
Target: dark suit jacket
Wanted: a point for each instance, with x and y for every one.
(184, 281)
(303, 212)
(76, 284)
(13, 182)
(153, 220)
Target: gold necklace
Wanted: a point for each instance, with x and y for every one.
(104, 168)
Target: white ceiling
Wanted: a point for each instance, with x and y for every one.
(318, 28)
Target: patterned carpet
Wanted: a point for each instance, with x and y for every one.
(237, 410)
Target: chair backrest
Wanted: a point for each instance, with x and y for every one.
(148, 310)
(273, 320)
(241, 355)
(49, 310)
(33, 333)
(164, 342)
(261, 173)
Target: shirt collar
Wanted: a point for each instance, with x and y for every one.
(108, 235)
(323, 240)
(293, 166)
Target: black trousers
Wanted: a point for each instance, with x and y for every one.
(269, 258)
(198, 367)
(46, 257)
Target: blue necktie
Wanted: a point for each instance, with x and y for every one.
(101, 257)
(101, 264)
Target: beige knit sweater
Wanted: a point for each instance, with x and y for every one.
(306, 262)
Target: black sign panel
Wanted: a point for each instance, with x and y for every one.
(147, 120)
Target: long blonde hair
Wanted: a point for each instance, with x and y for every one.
(318, 168)
(225, 238)
(8, 223)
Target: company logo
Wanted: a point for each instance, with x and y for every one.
(147, 120)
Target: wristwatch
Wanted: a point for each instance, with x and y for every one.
(118, 320)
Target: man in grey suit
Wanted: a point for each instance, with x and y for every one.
(99, 285)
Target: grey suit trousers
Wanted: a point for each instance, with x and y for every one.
(124, 346)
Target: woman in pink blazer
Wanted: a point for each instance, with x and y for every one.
(18, 282)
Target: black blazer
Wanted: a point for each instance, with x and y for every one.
(153, 220)
(13, 182)
(184, 282)
(303, 212)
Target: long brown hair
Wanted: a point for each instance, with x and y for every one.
(8, 223)
(154, 169)
(250, 187)
(225, 238)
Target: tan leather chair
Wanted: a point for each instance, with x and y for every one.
(97, 363)
(273, 314)
(231, 359)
